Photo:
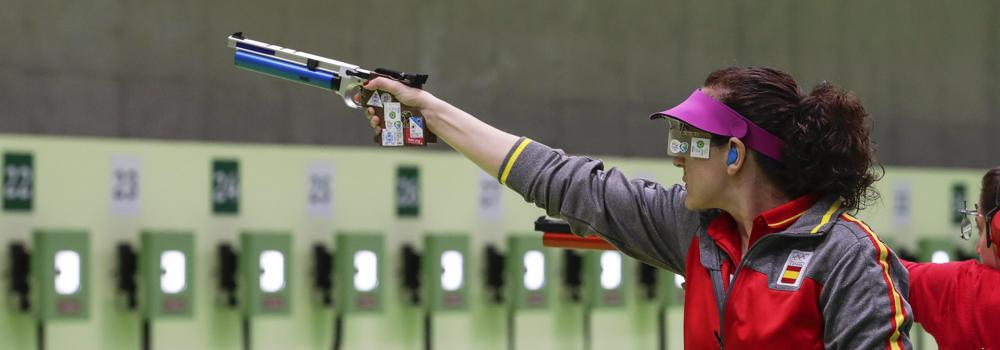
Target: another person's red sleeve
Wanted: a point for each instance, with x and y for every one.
(930, 287)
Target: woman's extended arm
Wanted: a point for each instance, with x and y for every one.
(483, 144)
(641, 218)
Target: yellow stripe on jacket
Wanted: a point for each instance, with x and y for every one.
(883, 260)
(513, 158)
(826, 217)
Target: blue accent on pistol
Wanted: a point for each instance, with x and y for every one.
(286, 70)
(255, 48)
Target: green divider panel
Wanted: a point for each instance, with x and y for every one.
(670, 293)
(265, 272)
(359, 260)
(528, 272)
(166, 264)
(446, 271)
(60, 265)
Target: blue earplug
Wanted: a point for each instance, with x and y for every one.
(733, 156)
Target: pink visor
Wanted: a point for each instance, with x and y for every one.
(705, 113)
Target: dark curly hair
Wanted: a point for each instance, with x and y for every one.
(827, 148)
(988, 196)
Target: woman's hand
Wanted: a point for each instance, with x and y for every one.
(413, 97)
(483, 144)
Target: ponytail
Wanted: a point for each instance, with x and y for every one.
(828, 149)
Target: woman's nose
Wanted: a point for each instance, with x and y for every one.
(679, 162)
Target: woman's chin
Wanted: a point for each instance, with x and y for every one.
(691, 204)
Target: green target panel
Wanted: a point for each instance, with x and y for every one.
(60, 265)
(166, 264)
(605, 278)
(446, 271)
(528, 272)
(265, 272)
(359, 264)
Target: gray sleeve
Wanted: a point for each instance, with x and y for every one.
(641, 218)
(862, 308)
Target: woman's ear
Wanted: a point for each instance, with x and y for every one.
(736, 155)
(981, 224)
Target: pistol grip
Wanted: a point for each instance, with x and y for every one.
(403, 126)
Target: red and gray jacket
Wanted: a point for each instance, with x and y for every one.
(813, 277)
(958, 303)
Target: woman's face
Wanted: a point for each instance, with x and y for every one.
(705, 179)
(986, 254)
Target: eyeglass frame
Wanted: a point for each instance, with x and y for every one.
(988, 217)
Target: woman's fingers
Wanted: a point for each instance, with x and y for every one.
(384, 84)
(403, 93)
(373, 120)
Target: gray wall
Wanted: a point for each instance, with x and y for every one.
(580, 75)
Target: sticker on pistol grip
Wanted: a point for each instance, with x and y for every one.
(414, 125)
(392, 134)
(374, 101)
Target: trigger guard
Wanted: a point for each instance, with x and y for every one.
(349, 92)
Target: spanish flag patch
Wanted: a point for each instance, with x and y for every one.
(794, 269)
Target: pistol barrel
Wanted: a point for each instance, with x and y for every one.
(287, 70)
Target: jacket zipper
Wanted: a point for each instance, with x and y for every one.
(732, 283)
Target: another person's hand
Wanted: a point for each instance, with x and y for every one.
(415, 98)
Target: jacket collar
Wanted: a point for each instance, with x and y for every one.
(785, 215)
(815, 221)
(819, 219)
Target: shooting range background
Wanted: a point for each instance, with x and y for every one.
(579, 75)
(82, 82)
(73, 185)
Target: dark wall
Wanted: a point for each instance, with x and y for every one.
(579, 75)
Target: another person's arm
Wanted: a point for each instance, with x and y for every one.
(931, 288)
